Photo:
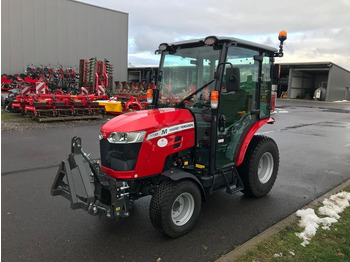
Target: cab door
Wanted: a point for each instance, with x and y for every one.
(201, 110)
(235, 107)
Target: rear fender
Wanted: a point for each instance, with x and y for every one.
(249, 137)
(176, 175)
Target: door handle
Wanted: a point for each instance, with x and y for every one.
(222, 123)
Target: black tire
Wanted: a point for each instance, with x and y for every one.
(261, 151)
(166, 210)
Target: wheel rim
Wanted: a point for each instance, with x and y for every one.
(265, 167)
(182, 209)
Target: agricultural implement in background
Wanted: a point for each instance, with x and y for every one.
(55, 107)
(63, 107)
(53, 95)
(123, 103)
(95, 76)
(48, 94)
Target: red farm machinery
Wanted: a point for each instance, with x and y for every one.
(49, 94)
(197, 136)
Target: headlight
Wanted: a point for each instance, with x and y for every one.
(124, 138)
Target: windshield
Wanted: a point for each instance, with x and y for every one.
(185, 71)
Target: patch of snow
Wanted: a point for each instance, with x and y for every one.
(331, 209)
(292, 253)
(310, 221)
(278, 255)
(335, 205)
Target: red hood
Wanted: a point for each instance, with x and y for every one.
(147, 120)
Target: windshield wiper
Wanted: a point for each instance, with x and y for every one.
(194, 93)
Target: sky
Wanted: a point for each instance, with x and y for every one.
(318, 30)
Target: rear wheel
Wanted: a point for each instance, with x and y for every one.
(175, 207)
(260, 166)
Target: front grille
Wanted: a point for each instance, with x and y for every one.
(119, 157)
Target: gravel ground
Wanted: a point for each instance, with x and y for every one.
(17, 122)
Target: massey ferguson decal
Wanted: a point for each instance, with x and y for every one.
(169, 130)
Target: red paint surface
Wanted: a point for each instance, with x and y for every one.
(249, 137)
(151, 157)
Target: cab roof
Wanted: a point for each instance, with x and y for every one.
(223, 39)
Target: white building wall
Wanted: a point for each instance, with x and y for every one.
(61, 32)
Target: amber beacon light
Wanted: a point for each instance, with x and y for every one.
(282, 35)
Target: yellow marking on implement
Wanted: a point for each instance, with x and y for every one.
(200, 166)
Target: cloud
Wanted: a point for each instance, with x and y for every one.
(316, 29)
(322, 45)
(148, 39)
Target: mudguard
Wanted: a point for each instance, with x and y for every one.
(176, 174)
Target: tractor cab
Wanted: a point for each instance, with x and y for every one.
(225, 83)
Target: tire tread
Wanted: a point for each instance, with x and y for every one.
(245, 168)
(161, 203)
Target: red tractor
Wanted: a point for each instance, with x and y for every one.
(196, 137)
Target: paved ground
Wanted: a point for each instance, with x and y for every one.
(314, 143)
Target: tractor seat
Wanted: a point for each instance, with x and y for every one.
(231, 103)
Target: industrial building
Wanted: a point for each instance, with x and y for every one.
(138, 74)
(61, 32)
(301, 80)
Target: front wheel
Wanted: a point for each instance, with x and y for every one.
(175, 207)
(260, 166)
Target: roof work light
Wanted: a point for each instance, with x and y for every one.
(210, 40)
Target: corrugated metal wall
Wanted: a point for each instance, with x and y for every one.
(338, 84)
(60, 32)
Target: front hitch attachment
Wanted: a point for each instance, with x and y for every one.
(94, 183)
(68, 190)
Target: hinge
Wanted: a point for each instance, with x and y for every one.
(258, 58)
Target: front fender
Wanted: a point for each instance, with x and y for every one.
(177, 174)
(249, 137)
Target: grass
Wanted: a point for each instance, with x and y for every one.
(5, 116)
(327, 245)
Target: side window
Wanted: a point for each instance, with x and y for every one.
(237, 103)
(249, 68)
(265, 93)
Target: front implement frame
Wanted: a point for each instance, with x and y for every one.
(93, 183)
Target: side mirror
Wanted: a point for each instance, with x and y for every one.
(233, 79)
